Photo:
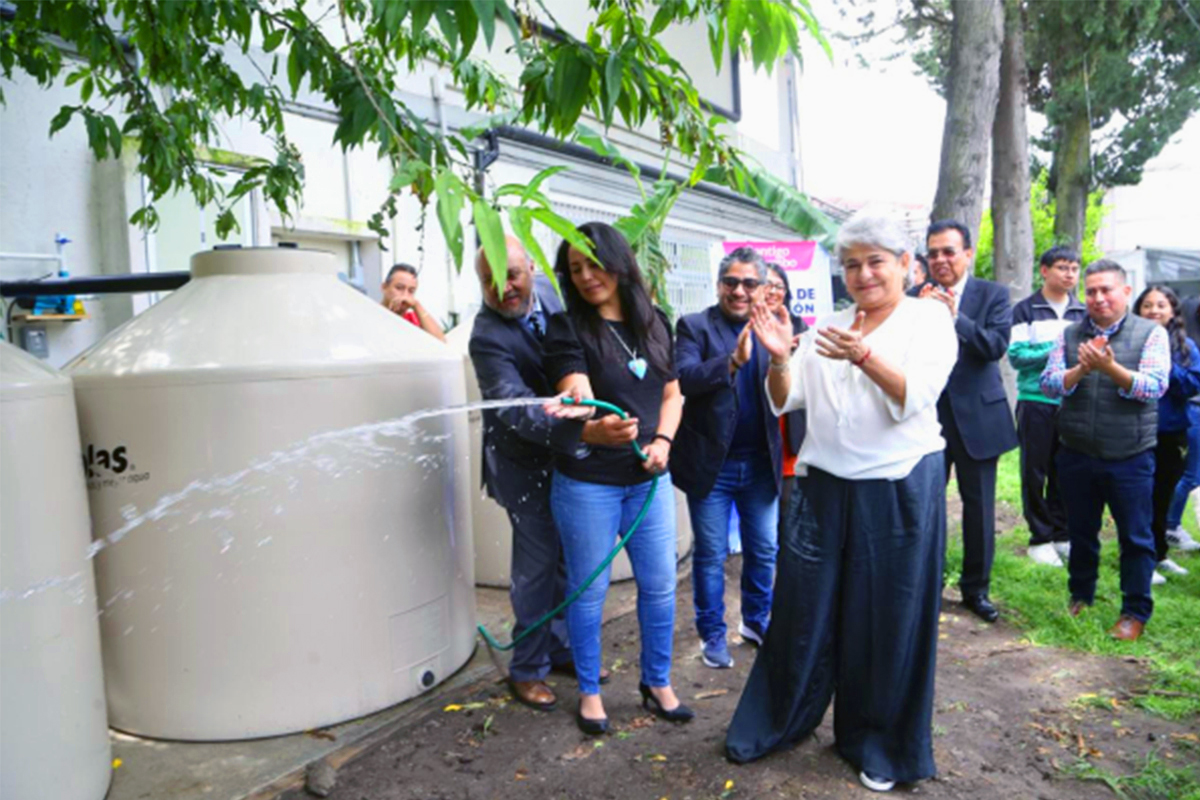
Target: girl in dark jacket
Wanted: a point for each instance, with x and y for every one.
(1175, 414)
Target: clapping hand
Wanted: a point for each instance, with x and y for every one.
(773, 333)
(843, 345)
(1096, 354)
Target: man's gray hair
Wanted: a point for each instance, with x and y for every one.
(872, 229)
(743, 255)
(1105, 265)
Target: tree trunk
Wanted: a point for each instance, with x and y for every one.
(1074, 172)
(1013, 255)
(974, 81)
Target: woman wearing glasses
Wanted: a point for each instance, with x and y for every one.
(612, 344)
(777, 296)
(860, 563)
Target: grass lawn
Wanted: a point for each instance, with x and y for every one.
(1035, 598)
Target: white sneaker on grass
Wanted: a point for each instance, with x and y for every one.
(1044, 554)
(1157, 579)
(1064, 550)
(1181, 540)
(1170, 567)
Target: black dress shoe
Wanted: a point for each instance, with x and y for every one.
(592, 727)
(981, 606)
(679, 713)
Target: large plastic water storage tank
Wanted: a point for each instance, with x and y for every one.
(277, 559)
(493, 532)
(53, 733)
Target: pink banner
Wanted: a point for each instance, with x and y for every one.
(807, 268)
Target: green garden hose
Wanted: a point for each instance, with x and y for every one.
(637, 521)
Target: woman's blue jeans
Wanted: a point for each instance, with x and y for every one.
(590, 518)
(1189, 481)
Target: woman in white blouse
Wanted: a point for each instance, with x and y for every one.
(858, 589)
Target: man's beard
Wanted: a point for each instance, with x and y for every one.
(518, 313)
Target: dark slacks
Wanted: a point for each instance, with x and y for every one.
(787, 490)
(1043, 506)
(977, 488)
(1170, 459)
(1125, 486)
(855, 617)
(539, 583)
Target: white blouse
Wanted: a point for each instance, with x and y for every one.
(855, 431)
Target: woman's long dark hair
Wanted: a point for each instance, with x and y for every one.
(651, 338)
(1176, 330)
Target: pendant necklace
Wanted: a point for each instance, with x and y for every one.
(637, 364)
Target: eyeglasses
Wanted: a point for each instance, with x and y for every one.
(946, 252)
(774, 288)
(749, 284)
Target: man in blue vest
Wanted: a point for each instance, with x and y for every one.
(976, 420)
(728, 451)
(1110, 370)
(1037, 322)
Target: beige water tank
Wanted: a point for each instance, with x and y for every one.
(493, 531)
(280, 553)
(53, 730)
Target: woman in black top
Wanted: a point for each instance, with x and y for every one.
(612, 344)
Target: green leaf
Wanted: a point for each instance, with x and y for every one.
(662, 19)
(295, 70)
(447, 21)
(273, 39)
(614, 73)
(450, 200)
(564, 228)
(491, 235)
(572, 76)
(601, 146)
(736, 17)
(522, 226)
(62, 118)
(485, 10)
(407, 174)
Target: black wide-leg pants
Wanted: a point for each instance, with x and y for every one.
(855, 616)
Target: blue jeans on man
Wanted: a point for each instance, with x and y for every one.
(1125, 486)
(749, 484)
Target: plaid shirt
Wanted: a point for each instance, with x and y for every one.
(1149, 381)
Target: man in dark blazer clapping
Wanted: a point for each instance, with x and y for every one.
(518, 447)
(977, 422)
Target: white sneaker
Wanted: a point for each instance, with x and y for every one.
(1169, 566)
(876, 784)
(1156, 579)
(1044, 554)
(1064, 550)
(1181, 540)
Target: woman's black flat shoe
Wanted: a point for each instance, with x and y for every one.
(592, 727)
(679, 713)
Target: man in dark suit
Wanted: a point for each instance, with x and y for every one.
(976, 420)
(728, 451)
(518, 446)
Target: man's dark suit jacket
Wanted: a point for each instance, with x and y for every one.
(519, 442)
(703, 342)
(975, 391)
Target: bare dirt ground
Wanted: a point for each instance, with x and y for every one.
(1009, 718)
